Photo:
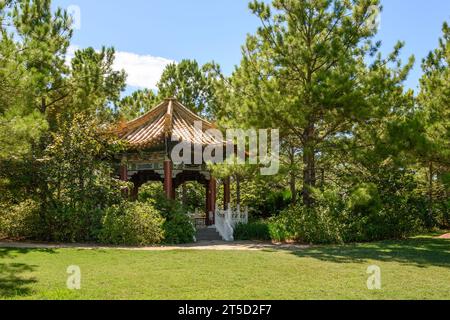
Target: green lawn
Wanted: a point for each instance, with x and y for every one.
(414, 269)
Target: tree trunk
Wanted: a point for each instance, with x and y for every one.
(293, 188)
(309, 163)
(293, 179)
(430, 195)
(43, 105)
(322, 183)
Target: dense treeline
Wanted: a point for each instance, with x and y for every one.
(362, 157)
(56, 146)
(368, 158)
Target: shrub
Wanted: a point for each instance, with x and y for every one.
(285, 226)
(372, 214)
(319, 226)
(272, 202)
(132, 224)
(299, 223)
(19, 220)
(152, 192)
(252, 231)
(168, 208)
(75, 180)
(442, 212)
(65, 223)
(178, 229)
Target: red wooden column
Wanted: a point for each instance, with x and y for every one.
(124, 177)
(124, 172)
(168, 180)
(211, 192)
(226, 193)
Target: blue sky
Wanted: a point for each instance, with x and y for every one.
(148, 34)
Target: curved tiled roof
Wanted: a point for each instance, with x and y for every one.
(171, 120)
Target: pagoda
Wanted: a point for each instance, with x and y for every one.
(149, 142)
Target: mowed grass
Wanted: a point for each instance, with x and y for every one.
(414, 269)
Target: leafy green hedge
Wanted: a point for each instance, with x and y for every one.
(19, 221)
(127, 223)
(132, 224)
(365, 214)
(307, 226)
(252, 231)
(178, 227)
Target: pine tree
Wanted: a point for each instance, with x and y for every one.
(93, 85)
(434, 101)
(33, 43)
(137, 104)
(192, 85)
(305, 72)
(434, 98)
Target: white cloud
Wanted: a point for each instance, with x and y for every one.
(144, 71)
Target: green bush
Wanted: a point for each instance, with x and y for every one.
(192, 194)
(373, 214)
(74, 181)
(442, 212)
(271, 203)
(152, 192)
(363, 214)
(178, 229)
(284, 227)
(319, 226)
(65, 223)
(252, 231)
(298, 223)
(19, 220)
(132, 224)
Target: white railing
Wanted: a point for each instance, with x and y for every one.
(226, 221)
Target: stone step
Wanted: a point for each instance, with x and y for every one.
(207, 231)
(209, 238)
(208, 234)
